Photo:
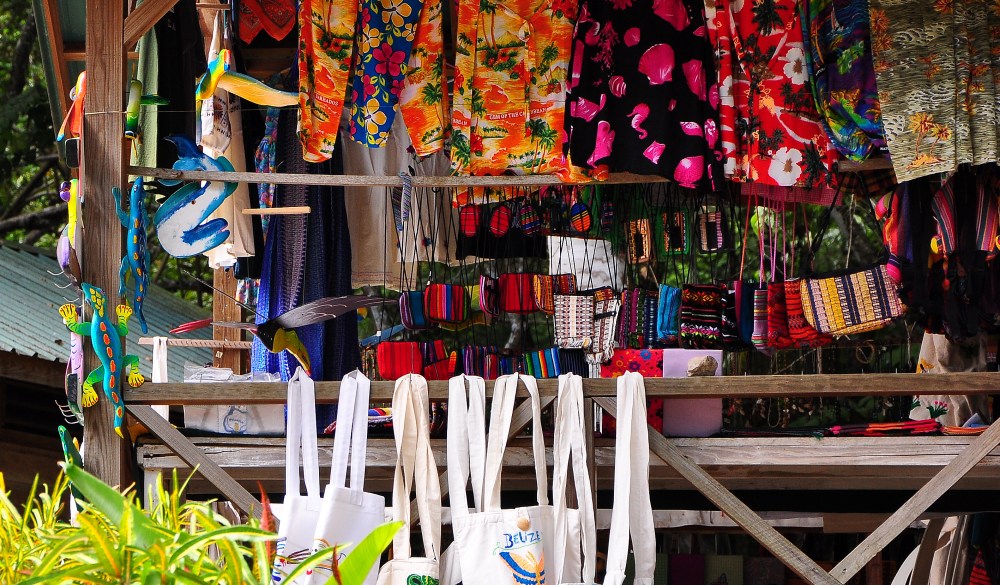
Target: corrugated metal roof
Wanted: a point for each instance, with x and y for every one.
(29, 313)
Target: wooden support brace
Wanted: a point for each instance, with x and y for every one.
(193, 456)
(144, 18)
(917, 504)
(757, 527)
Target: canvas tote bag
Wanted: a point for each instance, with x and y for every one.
(348, 514)
(299, 512)
(576, 530)
(632, 512)
(415, 470)
(504, 546)
(466, 451)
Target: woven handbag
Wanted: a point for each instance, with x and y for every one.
(702, 306)
(545, 286)
(516, 295)
(673, 234)
(850, 301)
(574, 320)
(446, 303)
(411, 310)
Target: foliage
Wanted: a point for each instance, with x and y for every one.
(113, 540)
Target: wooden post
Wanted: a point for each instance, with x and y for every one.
(104, 155)
(225, 309)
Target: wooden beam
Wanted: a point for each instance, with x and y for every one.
(104, 155)
(224, 308)
(371, 181)
(143, 18)
(705, 386)
(32, 370)
(54, 38)
(917, 504)
(755, 526)
(194, 457)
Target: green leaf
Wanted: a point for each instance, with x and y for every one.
(112, 504)
(360, 560)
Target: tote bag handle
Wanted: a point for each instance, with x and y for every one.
(415, 467)
(350, 442)
(466, 447)
(570, 442)
(301, 436)
(632, 512)
(504, 392)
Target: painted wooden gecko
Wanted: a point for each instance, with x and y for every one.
(135, 262)
(105, 338)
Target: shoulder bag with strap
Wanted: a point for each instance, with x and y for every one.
(504, 546)
(416, 471)
(576, 530)
(298, 512)
(348, 514)
(632, 512)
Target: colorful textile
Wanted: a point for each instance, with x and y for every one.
(606, 308)
(842, 75)
(701, 316)
(760, 321)
(778, 336)
(543, 363)
(799, 329)
(423, 101)
(510, 84)
(326, 41)
(648, 362)
(936, 65)
(385, 35)
(276, 17)
(667, 314)
(642, 92)
(574, 321)
(853, 303)
(770, 129)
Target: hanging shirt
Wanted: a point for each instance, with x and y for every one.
(936, 65)
(643, 95)
(423, 101)
(510, 87)
(386, 30)
(326, 33)
(770, 129)
(837, 36)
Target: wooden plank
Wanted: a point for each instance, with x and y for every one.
(706, 386)
(925, 556)
(755, 526)
(917, 504)
(32, 370)
(224, 308)
(54, 38)
(852, 523)
(387, 181)
(143, 18)
(103, 154)
(193, 456)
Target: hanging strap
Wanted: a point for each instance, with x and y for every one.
(350, 443)
(632, 512)
(301, 436)
(466, 449)
(504, 392)
(415, 467)
(569, 441)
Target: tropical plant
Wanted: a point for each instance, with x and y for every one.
(177, 542)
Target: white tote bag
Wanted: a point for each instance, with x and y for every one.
(576, 530)
(348, 514)
(416, 471)
(506, 546)
(632, 512)
(299, 512)
(466, 453)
